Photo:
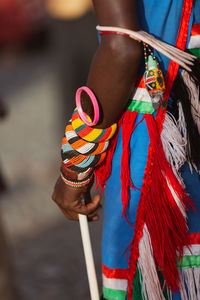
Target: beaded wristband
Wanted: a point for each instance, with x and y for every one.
(94, 102)
(73, 175)
(76, 184)
(81, 167)
(90, 134)
(83, 147)
(68, 153)
(79, 163)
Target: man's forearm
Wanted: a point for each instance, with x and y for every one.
(116, 62)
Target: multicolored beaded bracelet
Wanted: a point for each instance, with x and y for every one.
(81, 167)
(68, 153)
(77, 184)
(90, 134)
(79, 163)
(81, 146)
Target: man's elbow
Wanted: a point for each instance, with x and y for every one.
(125, 50)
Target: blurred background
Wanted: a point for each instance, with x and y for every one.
(46, 47)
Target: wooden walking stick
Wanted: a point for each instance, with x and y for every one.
(89, 259)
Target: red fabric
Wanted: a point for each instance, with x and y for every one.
(102, 173)
(163, 217)
(115, 273)
(195, 29)
(127, 130)
(194, 238)
(161, 214)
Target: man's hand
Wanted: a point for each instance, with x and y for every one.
(69, 201)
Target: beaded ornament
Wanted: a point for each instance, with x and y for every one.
(153, 78)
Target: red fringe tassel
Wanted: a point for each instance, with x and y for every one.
(159, 210)
(127, 130)
(102, 172)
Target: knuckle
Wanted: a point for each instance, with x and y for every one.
(65, 205)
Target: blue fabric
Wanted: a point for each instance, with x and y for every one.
(196, 11)
(118, 233)
(161, 18)
(190, 26)
(176, 297)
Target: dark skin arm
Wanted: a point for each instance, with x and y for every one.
(111, 77)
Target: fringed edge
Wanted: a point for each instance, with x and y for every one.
(181, 94)
(164, 211)
(149, 276)
(182, 126)
(174, 145)
(193, 87)
(169, 79)
(127, 130)
(102, 173)
(195, 69)
(190, 283)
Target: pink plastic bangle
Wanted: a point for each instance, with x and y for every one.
(94, 103)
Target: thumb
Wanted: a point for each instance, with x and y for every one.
(96, 200)
(91, 206)
(87, 197)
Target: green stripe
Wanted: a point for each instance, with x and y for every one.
(196, 52)
(110, 294)
(137, 287)
(189, 261)
(140, 106)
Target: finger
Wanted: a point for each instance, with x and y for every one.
(91, 215)
(95, 218)
(88, 208)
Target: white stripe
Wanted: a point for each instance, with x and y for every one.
(194, 42)
(106, 146)
(115, 284)
(195, 250)
(66, 161)
(141, 94)
(85, 148)
(70, 135)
